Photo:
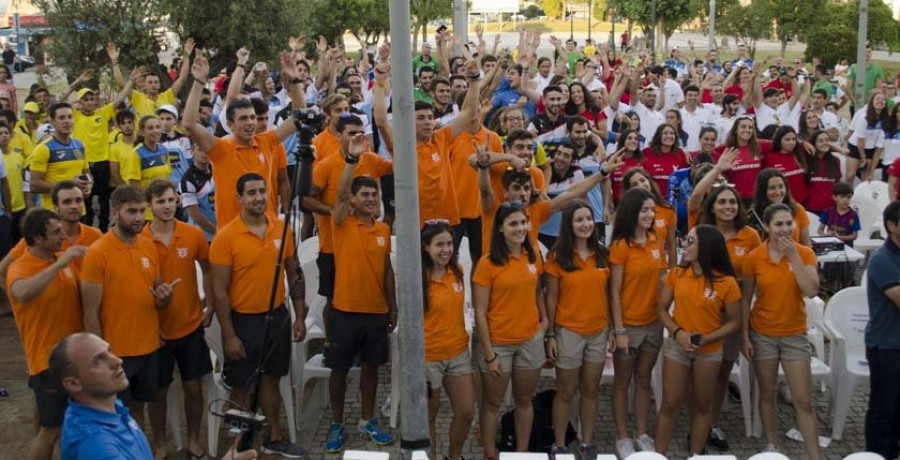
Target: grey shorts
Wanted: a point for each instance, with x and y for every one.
(672, 350)
(647, 338)
(460, 364)
(731, 347)
(788, 348)
(529, 354)
(575, 349)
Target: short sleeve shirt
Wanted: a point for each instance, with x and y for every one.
(93, 131)
(779, 309)
(642, 264)
(143, 105)
(445, 322)
(512, 311)
(361, 252)
(699, 304)
(884, 316)
(582, 304)
(58, 162)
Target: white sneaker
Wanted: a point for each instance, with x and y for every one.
(645, 443)
(624, 447)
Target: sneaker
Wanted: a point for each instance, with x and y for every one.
(371, 431)
(717, 438)
(645, 443)
(772, 448)
(587, 451)
(555, 450)
(282, 447)
(624, 447)
(335, 442)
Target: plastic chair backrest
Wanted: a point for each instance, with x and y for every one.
(769, 456)
(522, 456)
(364, 455)
(869, 213)
(308, 250)
(864, 456)
(848, 313)
(815, 313)
(875, 191)
(645, 456)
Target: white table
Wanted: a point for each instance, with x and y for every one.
(847, 255)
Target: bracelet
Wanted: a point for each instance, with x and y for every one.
(620, 331)
(204, 82)
(243, 66)
(604, 173)
(488, 361)
(549, 335)
(351, 160)
(675, 334)
(482, 165)
(295, 81)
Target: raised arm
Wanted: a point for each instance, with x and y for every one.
(113, 52)
(483, 161)
(186, 53)
(237, 77)
(578, 189)
(379, 105)
(201, 136)
(323, 65)
(702, 188)
(87, 75)
(358, 145)
(467, 120)
(295, 90)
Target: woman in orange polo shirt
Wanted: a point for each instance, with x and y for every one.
(578, 311)
(724, 209)
(637, 261)
(704, 179)
(510, 319)
(780, 273)
(772, 188)
(448, 362)
(703, 286)
(665, 222)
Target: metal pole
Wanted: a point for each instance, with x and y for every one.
(414, 434)
(460, 21)
(860, 82)
(612, 29)
(590, 13)
(712, 25)
(653, 32)
(571, 21)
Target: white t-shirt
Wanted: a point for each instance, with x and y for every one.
(723, 125)
(829, 120)
(650, 119)
(674, 95)
(778, 116)
(891, 149)
(692, 122)
(860, 126)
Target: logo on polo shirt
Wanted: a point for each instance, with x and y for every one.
(262, 158)
(435, 157)
(660, 223)
(380, 240)
(740, 251)
(458, 287)
(655, 253)
(182, 253)
(277, 243)
(68, 272)
(145, 262)
(532, 268)
(709, 293)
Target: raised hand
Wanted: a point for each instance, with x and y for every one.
(321, 45)
(726, 161)
(243, 55)
(137, 73)
(200, 67)
(86, 75)
(479, 31)
(188, 48)
(471, 69)
(112, 51)
(74, 252)
(288, 67)
(358, 145)
(383, 72)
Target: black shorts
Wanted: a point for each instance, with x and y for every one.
(143, 377)
(325, 263)
(855, 153)
(387, 193)
(52, 400)
(356, 334)
(191, 354)
(249, 328)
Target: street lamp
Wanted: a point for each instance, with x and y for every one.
(571, 22)
(612, 30)
(653, 32)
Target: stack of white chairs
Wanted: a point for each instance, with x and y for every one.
(646, 456)
(864, 456)
(846, 319)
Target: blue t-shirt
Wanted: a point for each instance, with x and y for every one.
(842, 224)
(883, 329)
(91, 434)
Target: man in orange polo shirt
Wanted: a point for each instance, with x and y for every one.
(365, 310)
(465, 181)
(245, 150)
(243, 255)
(121, 291)
(44, 294)
(328, 142)
(68, 200)
(179, 246)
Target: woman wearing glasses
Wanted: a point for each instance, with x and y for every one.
(780, 273)
(510, 319)
(577, 307)
(664, 222)
(448, 362)
(703, 287)
(748, 162)
(637, 260)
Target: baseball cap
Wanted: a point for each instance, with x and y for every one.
(32, 107)
(83, 91)
(168, 108)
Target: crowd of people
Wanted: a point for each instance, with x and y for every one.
(611, 205)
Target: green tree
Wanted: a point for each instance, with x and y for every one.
(81, 29)
(425, 11)
(553, 8)
(532, 12)
(793, 18)
(747, 23)
(837, 36)
(670, 14)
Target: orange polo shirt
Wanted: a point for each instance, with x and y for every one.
(497, 171)
(740, 245)
(779, 309)
(465, 178)
(252, 260)
(801, 221)
(360, 252)
(665, 223)
(582, 306)
(512, 312)
(327, 176)
(643, 264)
(128, 315)
(445, 323)
(437, 195)
(538, 213)
(698, 308)
(326, 144)
(51, 316)
(184, 315)
(86, 237)
(231, 160)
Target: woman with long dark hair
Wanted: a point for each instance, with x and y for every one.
(581, 102)
(788, 157)
(868, 137)
(665, 222)
(673, 117)
(780, 273)
(637, 260)
(510, 318)
(703, 286)
(823, 170)
(772, 188)
(664, 156)
(751, 152)
(447, 359)
(629, 145)
(578, 313)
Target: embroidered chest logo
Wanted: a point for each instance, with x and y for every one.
(740, 251)
(277, 243)
(435, 157)
(182, 253)
(709, 293)
(380, 241)
(655, 253)
(262, 158)
(458, 287)
(660, 223)
(68, 272)
(532, 268)
(145, 262)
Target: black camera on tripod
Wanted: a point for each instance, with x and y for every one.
(309, 122)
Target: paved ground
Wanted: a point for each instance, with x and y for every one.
(17, 422)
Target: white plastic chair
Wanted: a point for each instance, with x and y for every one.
(565, 456)
(864, 456)
(870, 222)
(769, 456)
(365, 455)
(813, 222)
(846, 319)
(713, 457)
(522, 456)
(606, 457)
(864, 280)
(876, 191)
(308, 250)
(646, 456)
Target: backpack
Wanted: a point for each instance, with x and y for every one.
(542, 433)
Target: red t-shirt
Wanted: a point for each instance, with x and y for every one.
(746, 167)
(820, 188)
(894, 170)
(793, 171)
(662, 165)
(618, 175)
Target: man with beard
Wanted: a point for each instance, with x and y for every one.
(121, 291)
(198, 192)
(445, 111)
(552, 123)
(43, 289)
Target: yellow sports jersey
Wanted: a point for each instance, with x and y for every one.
(15, 173)
(118, 150)
(22, 128)
(143, 105)
(58, 162)
(144, 165)
(21, 143)
(93, 131)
